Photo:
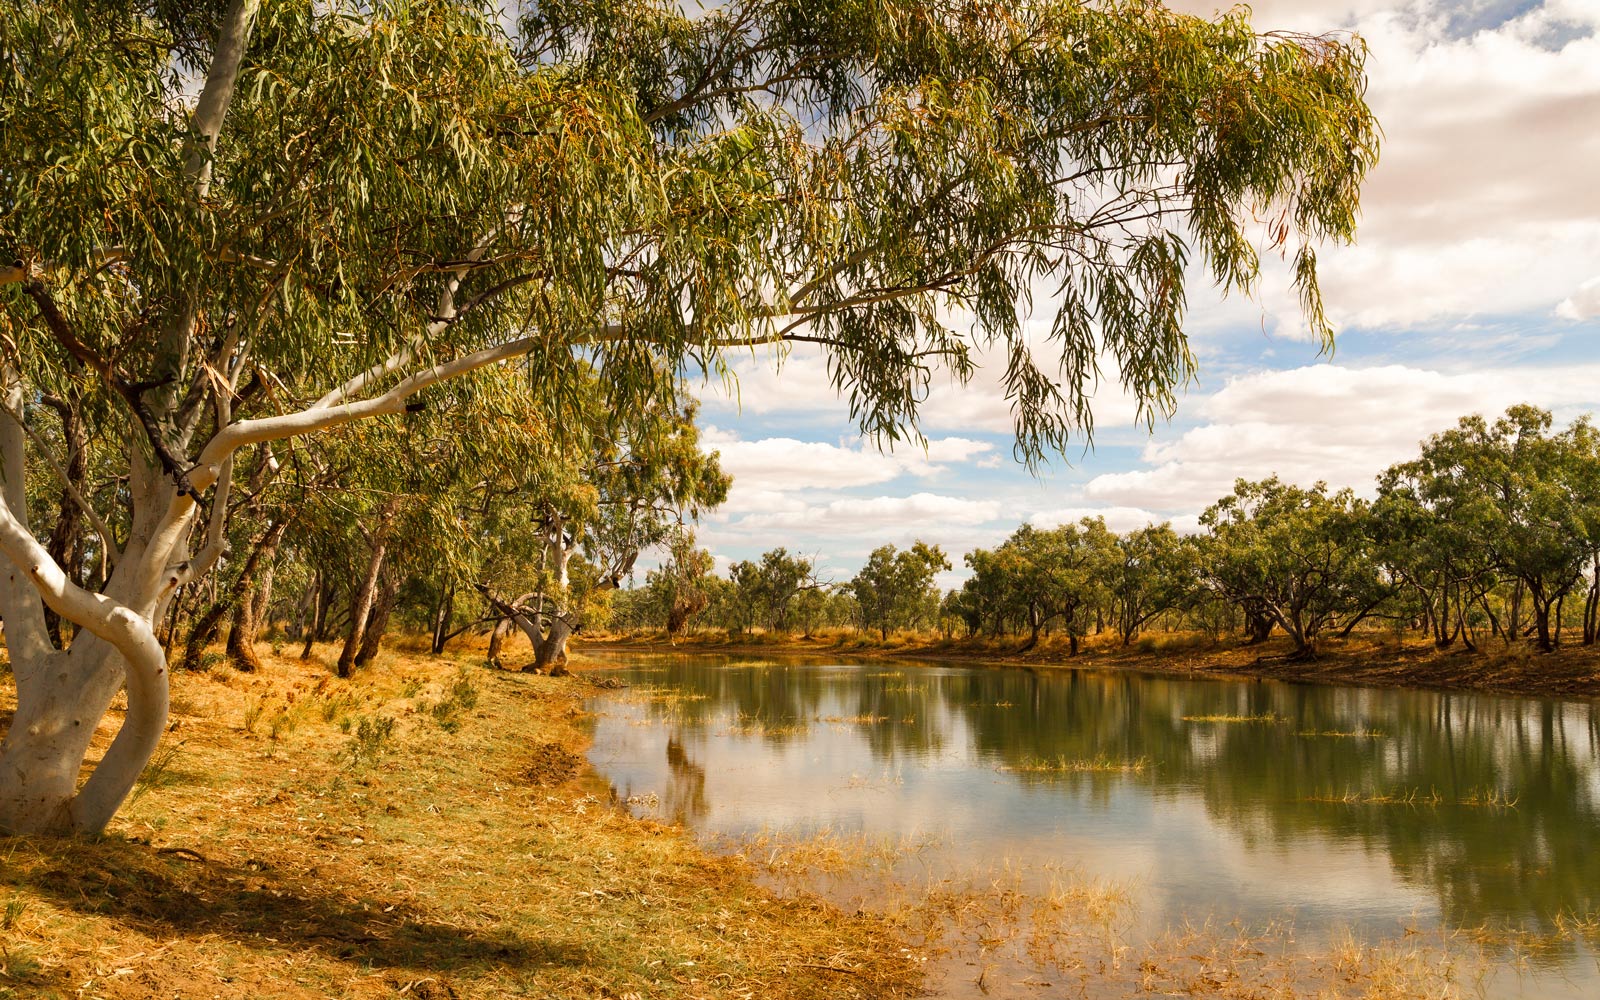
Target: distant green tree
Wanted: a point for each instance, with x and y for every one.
(1148, 572)
(895, 588)
(764, 592)
(1509, 498)
(1303, 559)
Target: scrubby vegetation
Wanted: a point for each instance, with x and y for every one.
(1491, 536)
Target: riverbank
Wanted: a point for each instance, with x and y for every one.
(1376, 660)
(428, 829)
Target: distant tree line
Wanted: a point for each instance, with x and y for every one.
(1492, 533)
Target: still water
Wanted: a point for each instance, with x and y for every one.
(1333, 811)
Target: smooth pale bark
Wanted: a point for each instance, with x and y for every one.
(62, 695)
(550, 652)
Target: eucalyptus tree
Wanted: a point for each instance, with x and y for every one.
(1149, 572)
(237, 223)
(676, 592)
(1303, 559)
(1042, 575)
(764, 592)
(895, 588)
(1509, 498)
(643, 479)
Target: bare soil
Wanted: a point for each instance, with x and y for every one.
(1376, 660)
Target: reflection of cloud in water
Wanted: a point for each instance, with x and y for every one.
(1261, 821)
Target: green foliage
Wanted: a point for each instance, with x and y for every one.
(895, 589)
(1300, 559)
(1487, 504)
(12, 912)
(1042, 576)
(372, 734)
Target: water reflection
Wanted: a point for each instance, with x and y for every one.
(1378, 807)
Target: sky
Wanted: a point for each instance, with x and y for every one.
(1474, 284)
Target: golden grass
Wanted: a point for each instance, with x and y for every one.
(357, 840)
(1086, 765)
(1232, 719)
(1477, 798)
(1007, 930)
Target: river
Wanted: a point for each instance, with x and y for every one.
(1304, 816)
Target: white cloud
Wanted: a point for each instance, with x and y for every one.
(1118, 519)
(1483, 201)
(768, 470)
(876, 515)
(1582, 304)
(1324, 422)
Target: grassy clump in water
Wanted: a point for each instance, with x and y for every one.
(1087, 765)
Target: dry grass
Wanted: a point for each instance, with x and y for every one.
(1477, 798)
(1089, 765)
(1232, 719)
(358, 840)
(1002, 930)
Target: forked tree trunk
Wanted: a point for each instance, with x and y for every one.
(361, 602)
(550, 653)
(372, 640)
(63, 695)
(242, 636)
(361, 608)
(322, 594)
(442, 618)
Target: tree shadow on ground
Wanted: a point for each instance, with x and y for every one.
(163, 893)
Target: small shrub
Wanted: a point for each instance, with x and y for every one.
(372, 734)
(210, 660)
(12, 913)
(252, 714)
(461, 696)
(411, 686)
(282, 724)
(157, 772)
(344, 724)
(462, 690)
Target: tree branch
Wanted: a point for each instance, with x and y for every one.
(112, 553)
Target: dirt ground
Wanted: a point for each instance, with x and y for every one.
(1376, 660)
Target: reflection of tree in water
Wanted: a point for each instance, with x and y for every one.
(1293, 763)
(685, 798)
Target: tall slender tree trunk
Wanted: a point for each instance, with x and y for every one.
(242, 636)
(372, 640)
(321, 592)
(442, 618)
(361, 607)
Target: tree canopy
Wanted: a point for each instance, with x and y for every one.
(229, 225)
